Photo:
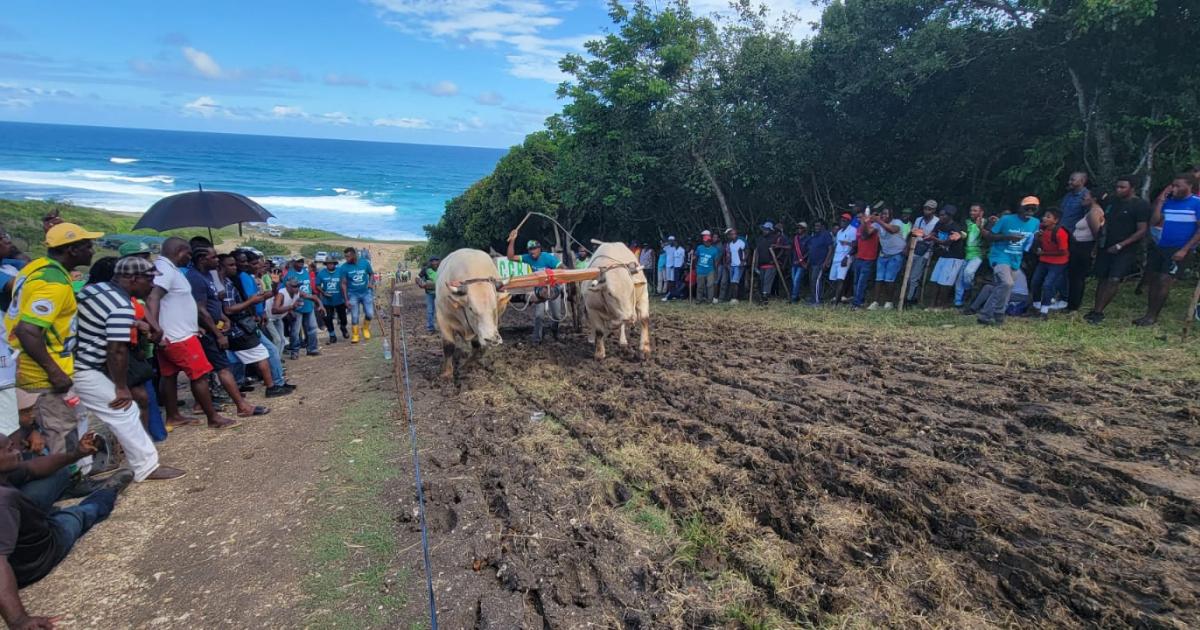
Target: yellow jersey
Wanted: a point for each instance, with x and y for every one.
(43, 296)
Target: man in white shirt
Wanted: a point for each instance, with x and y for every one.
(733, 264)
(172, 308)
(923, 252)
(675, 255)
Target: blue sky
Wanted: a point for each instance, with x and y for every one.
(459, 72)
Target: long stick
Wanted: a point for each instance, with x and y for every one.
(753, 268)
(787, 288)
(690, 277)
(1191, 314)
(907, 270)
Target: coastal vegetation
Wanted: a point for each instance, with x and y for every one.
(676, 122)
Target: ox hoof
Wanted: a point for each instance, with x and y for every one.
(600, 356)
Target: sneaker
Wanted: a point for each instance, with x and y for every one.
(716, 301)
(165, 473)
(1093, 318)
(332, 339)
(887, 306)
(245, 388)
(665, 298)
(314, 353)
(985, 321)
(279, 390)
(733, 301)
(874, 306)
(1037, 306)
(119, 481)
(1058, 306)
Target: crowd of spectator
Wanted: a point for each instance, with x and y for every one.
(109, 346)
(1029, 260)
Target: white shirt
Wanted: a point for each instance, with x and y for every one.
(288, 301)
(674, 256)
(177, 312)
(840, 251)
(736, 247)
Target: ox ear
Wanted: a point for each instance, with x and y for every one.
(502, 299)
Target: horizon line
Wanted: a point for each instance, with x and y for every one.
(256, 135)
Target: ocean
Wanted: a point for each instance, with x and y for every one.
(365, 189)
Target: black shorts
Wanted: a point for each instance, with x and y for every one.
(1115, 266)
(1159, 261)
(215, 355)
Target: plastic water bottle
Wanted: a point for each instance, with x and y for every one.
(387, 349)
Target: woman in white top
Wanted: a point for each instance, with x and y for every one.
(1084, 235)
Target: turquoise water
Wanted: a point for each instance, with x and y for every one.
(371, 189)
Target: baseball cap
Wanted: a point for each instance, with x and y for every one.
(25, 399)
(532, 244)
(930, 203)
(67, 233)
(802, 224)
(670, 238)
(297, 257)
(768, 226)
(135, 266)
(1031, 201)
(706, 233)
(130, 248)
(905, 211)
(729, 230)
(846, 216)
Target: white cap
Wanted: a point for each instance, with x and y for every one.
(706, 233)
(670, 238)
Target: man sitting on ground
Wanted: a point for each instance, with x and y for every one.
(33, 540)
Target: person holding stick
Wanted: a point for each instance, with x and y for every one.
(820, 255)
(925, 228)
(766, 249)
(549, 299)
(1178, 212)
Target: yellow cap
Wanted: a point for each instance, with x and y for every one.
(1031, 201)
(67, 233)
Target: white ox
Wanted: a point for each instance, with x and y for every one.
(618, 298)
(470, 300)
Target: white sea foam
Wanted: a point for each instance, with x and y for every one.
(122, 160)
(329, 203)
(96, 181)
(341, 190)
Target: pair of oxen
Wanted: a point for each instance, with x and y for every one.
(471, 298)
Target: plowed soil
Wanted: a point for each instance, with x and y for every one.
(796, 479)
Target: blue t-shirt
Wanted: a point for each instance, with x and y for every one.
(301, 277)
(706, 259)
(818, 247)
(543, 261)
(1010, 252)
(1179, 221)
(330, 283)
(358, 276)
(250, 289)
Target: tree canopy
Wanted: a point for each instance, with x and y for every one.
(679, 122)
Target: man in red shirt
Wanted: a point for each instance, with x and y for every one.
(865, 255)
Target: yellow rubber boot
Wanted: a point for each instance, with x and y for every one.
(354, 334)
(366, 329)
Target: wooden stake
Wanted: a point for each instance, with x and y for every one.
(787, 286)
(907, 271)
(753, 268)
(1191, 314)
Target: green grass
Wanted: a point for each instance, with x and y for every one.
(1115, 346)
(698, 537)
(353, 581)
(310, 234)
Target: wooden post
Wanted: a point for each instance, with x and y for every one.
(1191, 314)
(910, 250)
(753, 267)
(787, 286)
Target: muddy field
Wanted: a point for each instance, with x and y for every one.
(791, 479)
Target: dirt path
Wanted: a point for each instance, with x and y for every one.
(224, 545)
(799, 479)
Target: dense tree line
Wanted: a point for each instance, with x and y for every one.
(675, 122)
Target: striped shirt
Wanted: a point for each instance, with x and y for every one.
(105, 315)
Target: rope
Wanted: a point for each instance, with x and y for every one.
(412, 437)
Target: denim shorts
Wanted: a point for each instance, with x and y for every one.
(888, 268)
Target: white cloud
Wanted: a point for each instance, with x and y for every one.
(441, 88)
(288, 111)
(403, 123)
(518, 25)
(204, 106)
(15, 103)
(489, 98)
(336, 118)
(202, 62)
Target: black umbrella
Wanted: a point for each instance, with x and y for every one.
(202, 208)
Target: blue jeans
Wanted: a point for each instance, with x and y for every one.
(430, 300)
(966, 280)
(273, 359)
(70, 524)
(359, 304)
(863, 270)
(44, 492)
(1047, 280)
(797, 282)
(306, 326)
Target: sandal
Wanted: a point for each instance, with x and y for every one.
(228, 424)
(259, 410)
